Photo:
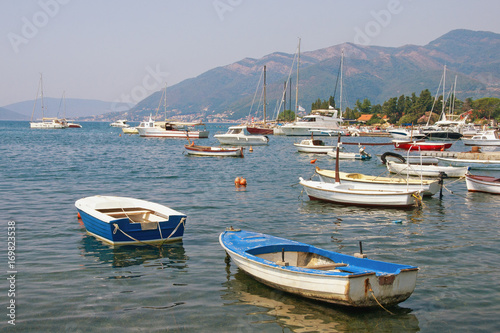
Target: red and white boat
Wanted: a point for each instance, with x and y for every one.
(192, 149)
(421, 145)
(487, 184)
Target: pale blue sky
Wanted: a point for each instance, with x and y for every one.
(123, 50)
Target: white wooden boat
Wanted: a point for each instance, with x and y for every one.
(319, 120)
(236, 136)
(425, 170)
(122, 220)
(487, 184)
(319, 274)
(426, 186)
(192, 149)
(471, 163)
(359, 195)
(485, 138)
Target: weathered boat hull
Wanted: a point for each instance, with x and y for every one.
(349, 281)
(482, 184)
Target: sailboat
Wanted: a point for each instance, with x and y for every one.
(448, 126)
(171, 129)
(45, 123)
(322, 121)
(262, 128)
(70, 123)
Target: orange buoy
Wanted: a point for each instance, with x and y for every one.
(237, 181)
(314, 161)
(120, 134)
(243, 182)
(250, 149)
(78, 214)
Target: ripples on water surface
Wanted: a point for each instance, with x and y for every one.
(68, 281)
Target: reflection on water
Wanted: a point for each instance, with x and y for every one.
(172, 254)
(302, 315)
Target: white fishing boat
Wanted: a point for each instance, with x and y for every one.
(120, 123)
(312, 145)
(357, 193)
(425, 186)
(193, 149)
(318, 274)
(425, 170)
(487, 184)
(485, 138)
(122, 220)
(236, 136)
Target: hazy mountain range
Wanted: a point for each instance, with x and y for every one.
(54, 107)
(373, 72)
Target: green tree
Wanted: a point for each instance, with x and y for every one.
(287, 115)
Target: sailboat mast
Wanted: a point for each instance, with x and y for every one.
(265, 94)
(165, 103)
(444, 80)
(454, 91)
(341, 85)
(41, 94)
(297, 84)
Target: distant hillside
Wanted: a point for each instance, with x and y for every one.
(6, 114)
(372, 72)
(75, 108)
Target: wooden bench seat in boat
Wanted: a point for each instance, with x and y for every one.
(326, 267)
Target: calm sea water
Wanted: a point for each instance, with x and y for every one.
(68, 281)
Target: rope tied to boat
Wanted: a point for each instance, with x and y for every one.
(181, 222)
(375, 298)
(418, 199)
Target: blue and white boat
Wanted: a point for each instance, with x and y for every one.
(122, 220)
(318, 274)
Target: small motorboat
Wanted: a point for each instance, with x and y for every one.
(345, 155)
(120, 123)
(236, 136)
(318, 274)
(122, 220)
(425, 170)
(485, 138)
(487, 184)
(193, 149)
(426, 186)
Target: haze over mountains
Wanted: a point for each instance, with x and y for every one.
(373, 72)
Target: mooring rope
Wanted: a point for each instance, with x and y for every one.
(117, 228)
(375, 298)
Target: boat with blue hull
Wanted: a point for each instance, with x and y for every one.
(125, 221)
(316, 273)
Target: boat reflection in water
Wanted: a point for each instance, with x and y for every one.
(170, 255)
(298, 314)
